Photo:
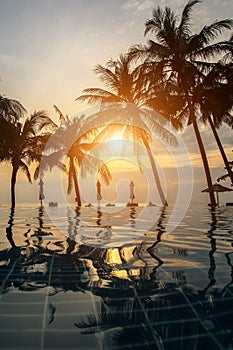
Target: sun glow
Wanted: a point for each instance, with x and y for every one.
(115, 145)
(123, 171)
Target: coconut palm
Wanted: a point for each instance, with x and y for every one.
(182, 58)
(10, 109)
(74, 141)
(22, 144)
(212, 99)
(125, 104)
(215, 97)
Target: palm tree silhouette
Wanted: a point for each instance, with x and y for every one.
(73, 140)
(22, 144)
(216, 99)
(10, 109)
(126, 104)
(181, 59)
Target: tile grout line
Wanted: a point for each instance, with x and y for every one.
(203, 325)
(198, 317)
(96, 312)
(158, 340)
(8, 275)
(46, 303)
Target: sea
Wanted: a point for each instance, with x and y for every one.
(117, 277)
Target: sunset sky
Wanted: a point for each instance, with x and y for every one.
(48, 50)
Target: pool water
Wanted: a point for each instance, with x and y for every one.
(95, 279)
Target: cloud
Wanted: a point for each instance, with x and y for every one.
(130, 4)
(138, 6)
(204, 13)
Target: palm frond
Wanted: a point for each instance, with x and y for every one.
(108, 77)
(11, 109)
(138, 52)
(94, 165)
(156, 23)
(214, 49)
(209, 33)
(184, 27)
(40, 120)
(55, 159)
(62, 118)
(108, 131)
(25, 169)
(95, 96)
(139, 135)
(105, 174)
(212, 31)
(37, 172)
(36, 123)
(228, 119)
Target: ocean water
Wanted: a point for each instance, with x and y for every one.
(116, 278)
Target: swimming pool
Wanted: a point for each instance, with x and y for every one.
(106, 284)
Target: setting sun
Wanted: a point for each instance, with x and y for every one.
(115, 144)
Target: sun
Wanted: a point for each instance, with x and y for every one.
(115, 144)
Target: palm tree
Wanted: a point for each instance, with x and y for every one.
(10, 109)
(22, 144)
(215, 98)
(126, 102)
(181, 59)
(73, 140)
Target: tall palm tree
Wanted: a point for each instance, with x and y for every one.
(215, 97)
(22, 144)
(125, 102)
(76, 142)
(182, 58)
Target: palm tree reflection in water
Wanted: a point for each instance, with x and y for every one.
(9, 234)
(212, 268)
(149, 313)
(142, 305)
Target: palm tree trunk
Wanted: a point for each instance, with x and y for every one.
(76, 186)
(205, 162)
(223, 154)
(155, 172)
(13, 182)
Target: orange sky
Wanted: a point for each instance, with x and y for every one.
(48, 52)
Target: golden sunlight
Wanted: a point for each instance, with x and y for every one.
(115, 144)
(123, 171)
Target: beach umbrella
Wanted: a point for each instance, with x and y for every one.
(98, 186)
(131, 196)
(41, 191)
(218, 188)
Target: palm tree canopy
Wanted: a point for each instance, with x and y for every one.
(76, 142)
(10, 109)
(127, 100)
(215, 96)
(184, 55)
(186, 64)
(21, 144)
(120, 80)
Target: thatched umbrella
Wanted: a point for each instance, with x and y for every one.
(218, 188)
